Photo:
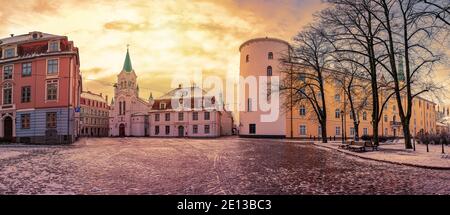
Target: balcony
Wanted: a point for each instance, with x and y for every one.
(395, 123)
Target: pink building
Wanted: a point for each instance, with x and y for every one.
(134, 116)
(41, 86)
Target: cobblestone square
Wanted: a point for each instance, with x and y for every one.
(204, 166)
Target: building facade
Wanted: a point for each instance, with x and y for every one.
(133, 116)
(260, 57)
(94, 115)
(41, 86)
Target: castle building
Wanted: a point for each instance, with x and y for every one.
(41, 86)
(192, 115)
(260, 58)
(94, 115)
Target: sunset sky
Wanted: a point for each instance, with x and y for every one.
(166, 37)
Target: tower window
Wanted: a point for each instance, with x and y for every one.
(270, 56)
(247, 58)
(269, 71)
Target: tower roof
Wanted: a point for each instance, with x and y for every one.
(127, 67)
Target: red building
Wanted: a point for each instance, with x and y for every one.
(41, 86)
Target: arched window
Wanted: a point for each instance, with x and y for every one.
(269, 71)
(270, 56)
(7, 94)
(364, 115)
(247, 58)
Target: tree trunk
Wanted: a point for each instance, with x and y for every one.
(356, 125)
(323, 125)
(407, 135)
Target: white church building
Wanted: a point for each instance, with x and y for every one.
(195, 115)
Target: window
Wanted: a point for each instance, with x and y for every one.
(26, 94)
(393, 107)
(249, 105)
(180, 116)
(26, 69)
(157, 117)
(52, 67)
(302, 110)
(7, 94)
(338, 131)
(365, 131)
(51, 120)
(7, 72)
(352, 131)
(385, 132)
(167, 116)
(247, 58)
(10, 52)
(385, 118)
(195, 116)
(195, 129)
(303, 130)
(207, 115)
(252, 129)
(269, 71)
(52, 90)
(206, 129)
(337, 114)
(167, 130)
(270, 56)
(157, 130)
(25, 121)
(301, 77)
(364, 115)
(162, 106)
(337, 97)
(53, 46)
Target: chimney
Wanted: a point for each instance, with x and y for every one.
(12, 35)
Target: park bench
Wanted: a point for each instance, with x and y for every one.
(346, 144)
(357, 146)
(370, 144)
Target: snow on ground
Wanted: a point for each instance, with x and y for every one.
(397, 153)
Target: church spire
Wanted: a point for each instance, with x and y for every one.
(127, 67)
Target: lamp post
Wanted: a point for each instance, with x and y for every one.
(342, 120)
(414, 138)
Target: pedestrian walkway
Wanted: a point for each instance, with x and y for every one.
(396, 153)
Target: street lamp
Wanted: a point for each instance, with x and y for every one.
(342, 128)
(414, 138)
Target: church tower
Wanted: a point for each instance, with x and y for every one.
(126, 80)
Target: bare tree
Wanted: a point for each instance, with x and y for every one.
(352, 28)
(440, 9)
(407, 34)
(351, 81)
(305, 73)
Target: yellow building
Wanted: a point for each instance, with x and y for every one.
(260, 58)
(303, 123)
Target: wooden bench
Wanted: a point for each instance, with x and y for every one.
(346, 144)
(357, 146)
(370, 144)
